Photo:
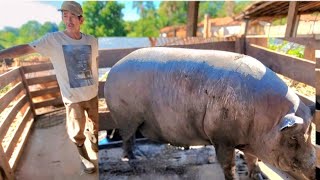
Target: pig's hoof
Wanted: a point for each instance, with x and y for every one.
(128, 156)
(257, 176)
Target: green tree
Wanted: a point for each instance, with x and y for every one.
(103, 18)
(241, 6)
(148, 24)
(8, 36)
(48, 27)
(213, 8)
(61, 26)
(172, 13)
(222, 8)
(29, 32)
(143, 7)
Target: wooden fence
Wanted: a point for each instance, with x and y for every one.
(18, 112)
(34, 87)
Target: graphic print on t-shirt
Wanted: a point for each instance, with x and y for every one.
(78, 62)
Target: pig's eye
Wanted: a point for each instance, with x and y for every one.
(293, 142)
(293, 137)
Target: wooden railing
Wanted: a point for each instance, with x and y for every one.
(16, 109)
(35, 87)
(43, 86)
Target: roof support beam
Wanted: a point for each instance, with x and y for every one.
(192, 21)
(292, 19)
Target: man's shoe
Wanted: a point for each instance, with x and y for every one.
(87, 166)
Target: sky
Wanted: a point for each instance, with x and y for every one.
(15, 13)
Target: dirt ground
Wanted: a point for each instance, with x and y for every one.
(50, 155)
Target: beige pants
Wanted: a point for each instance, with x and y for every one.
(79, 123)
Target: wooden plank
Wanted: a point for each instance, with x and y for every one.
(305, 41)
(260, 41)
(109, 57)
(292, 67)
(40, 80)
(18, 132)
(260, 7)
(14, 160)
(24, 81)
(42, 92)
(50, 102)
(8, 77)
(192, 21)
(272, 172)
(7, 98)
(37, 67)
(4, 164)
(11, 115)
(292, 19)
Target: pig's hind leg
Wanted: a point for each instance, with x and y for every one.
(226, 158)
(127, 128)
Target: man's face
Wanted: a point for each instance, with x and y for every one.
(71, 21)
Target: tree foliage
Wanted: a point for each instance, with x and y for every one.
(103, 18)
(212, 8)
(173, 13)
(148, 24)
(27, 33)
(143, 7)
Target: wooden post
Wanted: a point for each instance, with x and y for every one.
(4, 165)
(24, 81)
(309, 52)
(193, 7)
(292, 19)
(206, 26)
(317, 114)
(244, 26)
(240, 45)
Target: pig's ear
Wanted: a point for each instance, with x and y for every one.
(290, 120)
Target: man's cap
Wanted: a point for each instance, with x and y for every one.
(72, 6)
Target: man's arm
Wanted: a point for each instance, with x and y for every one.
(17, 51)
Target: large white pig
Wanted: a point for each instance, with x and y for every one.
(200, 97)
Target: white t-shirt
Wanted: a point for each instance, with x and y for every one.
(75, 64)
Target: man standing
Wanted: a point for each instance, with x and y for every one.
(74, 58)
